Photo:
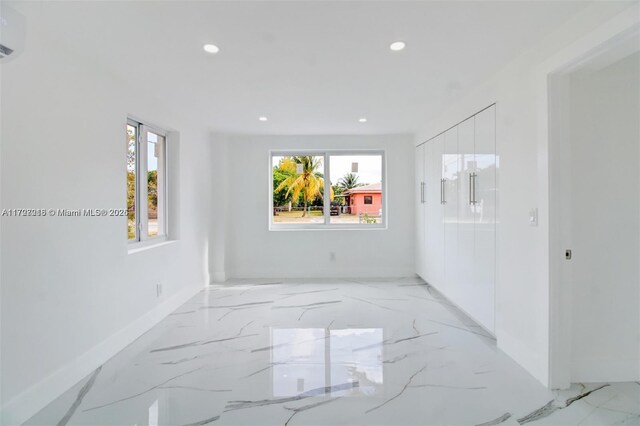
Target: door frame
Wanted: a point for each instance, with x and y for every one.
(554, 150)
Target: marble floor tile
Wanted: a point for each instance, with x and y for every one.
(326, 352)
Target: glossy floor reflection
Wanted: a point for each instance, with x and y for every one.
(387, 352)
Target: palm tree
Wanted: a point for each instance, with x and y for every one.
(349, 181)
(308, 184)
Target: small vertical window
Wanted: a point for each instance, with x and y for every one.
(155, 184)
(132, 137)
(146, 182)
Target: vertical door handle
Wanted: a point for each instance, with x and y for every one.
(470, 189)
(424, 197)
(444, 191)
(473, 187)
(421, 192)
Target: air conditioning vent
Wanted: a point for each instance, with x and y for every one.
(12, 33)
(5, 51)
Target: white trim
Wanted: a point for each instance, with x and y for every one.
(23, 406)
(218, 277)
(461, 309)
(141, 170)
(330, 227)
(142, 190)
(326, 201)
(149, 244)
(154, 127)
(529, 358)
(596, 370)
(594, 42)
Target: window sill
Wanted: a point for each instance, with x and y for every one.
(328, 228)
(148, 245)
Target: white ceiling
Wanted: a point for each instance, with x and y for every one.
(311, 67)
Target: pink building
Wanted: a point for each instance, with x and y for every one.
(366, 199)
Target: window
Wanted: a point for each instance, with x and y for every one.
(353, 180)
(146, 182)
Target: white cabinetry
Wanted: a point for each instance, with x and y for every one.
(420, 211)
(484, 272)
(466, 221)
(450, 175)
(434, 245)
(456, 219)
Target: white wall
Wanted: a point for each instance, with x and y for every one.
(604, 226)
(254, 251)
(519, 90)
(71, 295)
(219, 214)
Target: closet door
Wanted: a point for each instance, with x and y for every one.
(485, 217)
(423, 218)
(420, 214)
(433, 210)
(466, 214)
(450, 176)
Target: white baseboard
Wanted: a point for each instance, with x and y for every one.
(337, 273)
(589, 370)
(533, 361)
(23, 406)
(218, 277)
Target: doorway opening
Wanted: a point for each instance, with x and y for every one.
(594, 213)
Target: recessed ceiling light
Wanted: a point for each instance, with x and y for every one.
(211, 48)
(262, 118)
(397, 45)
(363, 120)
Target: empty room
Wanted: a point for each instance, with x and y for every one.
(319, 212)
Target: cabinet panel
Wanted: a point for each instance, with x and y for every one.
(433, 210)
(466, 228)
(485, 217)
(460, 215)
(450, 174)
(420, 216)
(423, 218)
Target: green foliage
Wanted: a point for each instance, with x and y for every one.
(280, 198)
(338, 190)
(349, 181)
(304, 188)
(152, 189)
(131, 151)
(131, 184)
(131, 204)
(368, 219)
(152, 186)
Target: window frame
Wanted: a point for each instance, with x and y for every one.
(141, 166)
(327, 225)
